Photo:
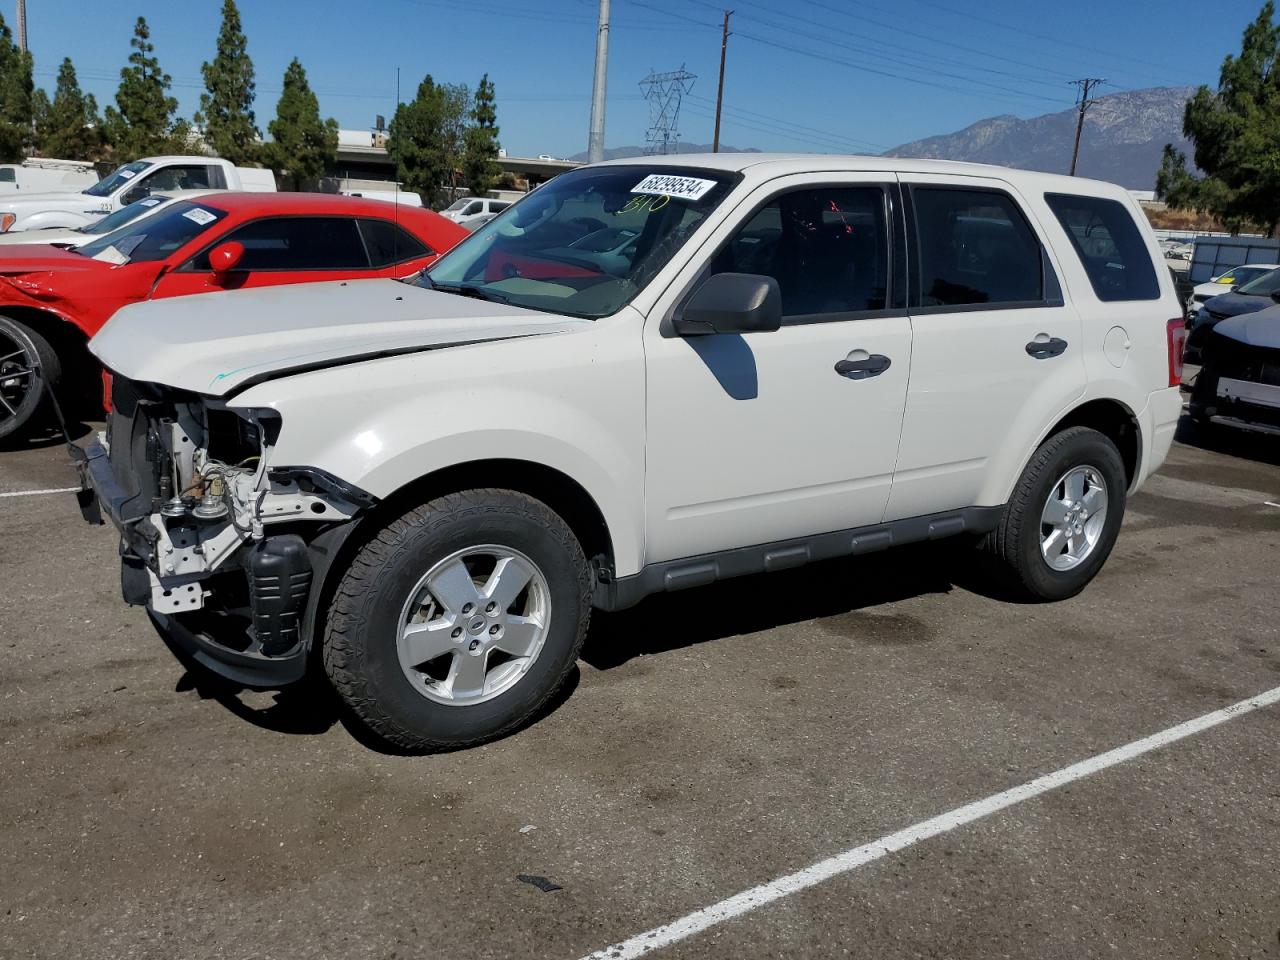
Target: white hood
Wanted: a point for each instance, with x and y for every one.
(215, 343)
(21, 203)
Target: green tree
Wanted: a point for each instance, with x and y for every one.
(226, 110)
(302, 145)
(1236, 133)
(145, 123)
(480, 142)
(425, 138)
(16, 90)
(69, 126)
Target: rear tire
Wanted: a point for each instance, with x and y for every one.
(29, 369)
(1063, 518)
(427, 643)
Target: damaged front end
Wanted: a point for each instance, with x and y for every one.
(226, 550)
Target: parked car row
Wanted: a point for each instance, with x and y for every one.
(59, 290)
(1234, 336)
(646, 375)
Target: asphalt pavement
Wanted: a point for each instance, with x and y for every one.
(710, 742)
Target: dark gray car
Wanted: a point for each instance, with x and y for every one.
(1239, 382)
(1257, 294)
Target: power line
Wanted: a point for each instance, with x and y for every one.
(664, 91)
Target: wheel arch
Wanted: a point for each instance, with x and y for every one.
(560, 492)
(1114, 420)
(65, 336)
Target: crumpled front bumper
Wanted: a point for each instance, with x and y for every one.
(196, 639)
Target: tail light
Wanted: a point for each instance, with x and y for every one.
(1177, 334)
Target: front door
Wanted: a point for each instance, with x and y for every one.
(769, 436)
(996, 354)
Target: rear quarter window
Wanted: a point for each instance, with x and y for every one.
(1110, 246)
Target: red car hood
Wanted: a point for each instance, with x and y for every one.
(40, 257)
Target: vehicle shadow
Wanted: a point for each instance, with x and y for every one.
(1229, 441)
(769, 600)
(46, 436)
(657, 625)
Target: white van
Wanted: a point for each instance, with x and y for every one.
(470, 208)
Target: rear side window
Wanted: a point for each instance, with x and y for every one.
(1109, 245)
(388, 243)
(975, 247)
(297, 243)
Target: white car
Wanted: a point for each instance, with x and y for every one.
(1225, 282)
(467, 209)
(759, 362)
(71, 237)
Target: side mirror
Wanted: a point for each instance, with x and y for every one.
(224, 257)
(1275, 296)
(732, 303)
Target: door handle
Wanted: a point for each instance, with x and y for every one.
(1044, 346)
(860, 365)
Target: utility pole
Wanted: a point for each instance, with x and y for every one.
(22, 25)
(1084, 103)
(724, 44)
(595, 140)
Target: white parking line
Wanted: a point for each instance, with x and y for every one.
(37, 493)
(765, 893)
(1270, 503)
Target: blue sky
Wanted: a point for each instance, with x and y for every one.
(814, 75)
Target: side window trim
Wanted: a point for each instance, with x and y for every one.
(1050, 284)
(888, 189)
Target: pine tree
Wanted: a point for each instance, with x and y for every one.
(226, 110)
(144, 123)
(425, 138)
(479, 165)
(69, 126)
(1236, 132)
(302, 145)
(16, 90)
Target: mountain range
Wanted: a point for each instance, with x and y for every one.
(1124, 134)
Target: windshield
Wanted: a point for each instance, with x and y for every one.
(114, 221)
(154, 237)
(109, 184)
(1264, 286)
(585, 243)
(457, 205)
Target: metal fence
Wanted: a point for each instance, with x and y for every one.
(1214, 255)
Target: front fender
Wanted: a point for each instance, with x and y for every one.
(55, 218)
(573, 403)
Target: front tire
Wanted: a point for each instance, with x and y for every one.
(459, 620)
(1063, 519)
(29, 368)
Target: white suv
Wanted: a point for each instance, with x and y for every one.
(646, 376)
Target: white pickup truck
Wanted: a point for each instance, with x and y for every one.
(128, 183)
(647, 375)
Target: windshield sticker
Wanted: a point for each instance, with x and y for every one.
(149, 202)
(128, 174)
(681, 188)
(200, 216)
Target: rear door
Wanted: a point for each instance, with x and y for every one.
(996, 353)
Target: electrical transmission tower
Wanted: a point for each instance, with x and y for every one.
(664, 92)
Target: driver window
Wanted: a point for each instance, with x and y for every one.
(828, 249)
(192, 177)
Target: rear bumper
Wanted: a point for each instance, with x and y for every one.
(1158, 422)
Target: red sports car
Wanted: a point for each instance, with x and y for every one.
(53, 300)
